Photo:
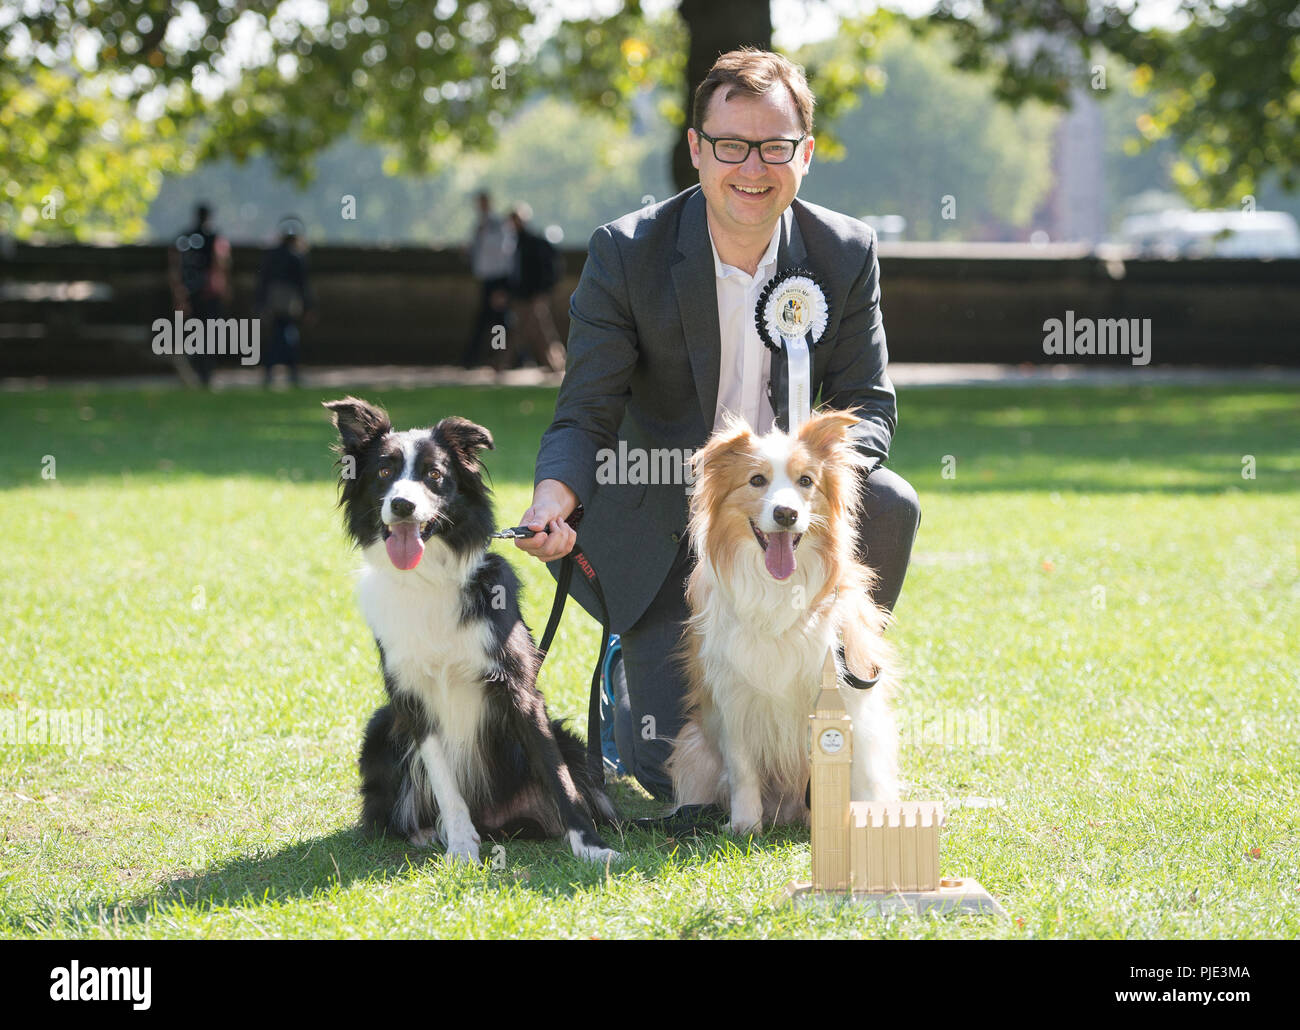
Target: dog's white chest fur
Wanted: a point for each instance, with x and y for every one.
(428, 650)
(762, 651)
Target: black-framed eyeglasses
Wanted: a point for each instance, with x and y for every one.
(732, 151)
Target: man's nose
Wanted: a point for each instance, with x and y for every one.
(753, 164)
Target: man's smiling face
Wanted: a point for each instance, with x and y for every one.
(745, 198)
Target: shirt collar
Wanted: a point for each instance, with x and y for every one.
(726, 271)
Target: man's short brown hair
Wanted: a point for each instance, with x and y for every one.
(752, 72)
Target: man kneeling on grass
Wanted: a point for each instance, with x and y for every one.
(663, 345)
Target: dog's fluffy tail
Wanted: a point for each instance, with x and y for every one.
(574, 753)
(875, 744)
(696, 769)
(875, 733)
(381, 773)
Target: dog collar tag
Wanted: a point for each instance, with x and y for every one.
(792, 309)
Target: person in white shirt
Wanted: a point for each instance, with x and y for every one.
(492, 260)
(662, 343)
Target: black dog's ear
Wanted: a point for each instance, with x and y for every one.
(357, 422)
(466, 438)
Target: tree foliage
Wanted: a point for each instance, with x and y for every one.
(1224, 84)
(934, 143)
(212, 79)
(77, 161)
(575, 169)
(144, 86)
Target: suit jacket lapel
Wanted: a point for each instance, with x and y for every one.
(790, 252)
(695, 282)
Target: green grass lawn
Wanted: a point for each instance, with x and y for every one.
(1101, 629)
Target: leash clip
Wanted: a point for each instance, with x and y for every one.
(514, 533)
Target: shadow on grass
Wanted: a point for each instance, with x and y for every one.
(162, 435)
(1141, 438)
(345, 858)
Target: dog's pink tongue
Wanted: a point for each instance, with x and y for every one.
(405, 548)
(779, 555)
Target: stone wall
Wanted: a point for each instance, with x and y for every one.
(74, 309)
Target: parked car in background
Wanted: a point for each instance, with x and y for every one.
(1223, 234)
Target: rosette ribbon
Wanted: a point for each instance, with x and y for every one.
(792, 314)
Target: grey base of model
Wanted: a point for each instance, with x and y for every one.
(957, 895)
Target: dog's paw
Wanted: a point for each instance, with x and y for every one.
(745, 827)
(462, 841)
(591, 849)
(463, 849)
(746, 818)
(423, 837)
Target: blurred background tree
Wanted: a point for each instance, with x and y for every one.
(1222, 80)
(98, 99)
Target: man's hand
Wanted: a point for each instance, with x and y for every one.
(553, 502)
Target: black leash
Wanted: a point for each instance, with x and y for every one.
(595, 757)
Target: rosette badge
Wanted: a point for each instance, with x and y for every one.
(792, 315)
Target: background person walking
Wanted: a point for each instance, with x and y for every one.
(536, 271)
(199, 272)
(491, 258)
(284, 298)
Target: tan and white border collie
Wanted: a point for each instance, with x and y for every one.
(775, 586)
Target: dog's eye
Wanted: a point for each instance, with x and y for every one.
(759, 480)
(385, 472)
(433, 475)
(805, 481)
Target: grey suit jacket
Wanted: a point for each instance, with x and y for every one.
(643, 367)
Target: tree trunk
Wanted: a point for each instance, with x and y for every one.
(715, 26)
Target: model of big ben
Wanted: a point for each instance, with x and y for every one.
(831, 764)
(882, 853)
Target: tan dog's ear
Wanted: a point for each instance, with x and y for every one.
(828, 432)
(734, 436)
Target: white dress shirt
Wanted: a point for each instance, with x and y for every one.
(745, 365)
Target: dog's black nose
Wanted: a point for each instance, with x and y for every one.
(402, 507)
(785, 516)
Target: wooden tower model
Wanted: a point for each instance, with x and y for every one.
(884, 852)
(830, 766)
(862, 846)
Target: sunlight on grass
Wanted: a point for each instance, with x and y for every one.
(1099, 629)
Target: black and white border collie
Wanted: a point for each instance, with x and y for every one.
(464, 748)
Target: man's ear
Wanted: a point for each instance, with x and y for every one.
(357, 422)
(464, 437)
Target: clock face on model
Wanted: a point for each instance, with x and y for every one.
(831, 741)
